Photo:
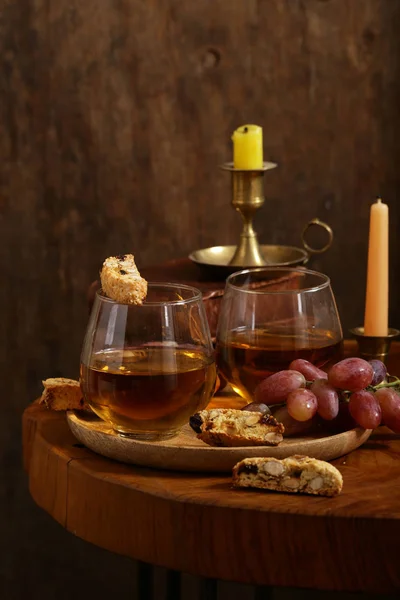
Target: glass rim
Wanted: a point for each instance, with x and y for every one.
(197, 295)
(302, 271)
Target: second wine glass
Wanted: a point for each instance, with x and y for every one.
(270, 316)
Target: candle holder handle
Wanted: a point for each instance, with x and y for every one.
(317, 223)
(247, 198)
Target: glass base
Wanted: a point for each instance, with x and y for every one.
(146, 436)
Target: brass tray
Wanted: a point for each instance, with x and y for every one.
(216, 259)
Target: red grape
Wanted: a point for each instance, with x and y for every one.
(328, 399)
(257, 407)
(379, 370)
(307, 369)
(302, 404)
(389, 401)
(275, 388)
(344, 421)
(365, 409)
(293, 427)
(353, 374)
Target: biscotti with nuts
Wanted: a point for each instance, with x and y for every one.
(230, 427)
(61, 393)
(121, 280)
(295, 474)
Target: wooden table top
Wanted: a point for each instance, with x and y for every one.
(199, 524)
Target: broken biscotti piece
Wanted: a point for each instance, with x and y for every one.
(61, 393)
(298, 474)
(121, 280)
(230, 427)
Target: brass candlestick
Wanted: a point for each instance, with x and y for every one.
(247, 198)
(370, 347)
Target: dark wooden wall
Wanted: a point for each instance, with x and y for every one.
(114, 115)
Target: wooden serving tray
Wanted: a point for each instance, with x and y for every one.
(186, 453)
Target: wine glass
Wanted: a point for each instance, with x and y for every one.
(147, 368)
(270, 316)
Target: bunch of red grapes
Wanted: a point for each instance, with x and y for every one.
(370, 392)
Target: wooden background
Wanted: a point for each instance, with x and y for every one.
(114, 116)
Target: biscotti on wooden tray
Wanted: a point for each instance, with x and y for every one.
(231, 427)
(295, 474)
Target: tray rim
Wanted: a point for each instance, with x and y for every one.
(79, 425)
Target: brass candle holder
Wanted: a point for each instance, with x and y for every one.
(377, 347)
(247, 198)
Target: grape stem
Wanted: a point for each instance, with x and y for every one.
(395, 383)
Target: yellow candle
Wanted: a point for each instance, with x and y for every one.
(376, 303)
(248, 147)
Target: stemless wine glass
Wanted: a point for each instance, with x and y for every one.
(270, 316)
(147, 368)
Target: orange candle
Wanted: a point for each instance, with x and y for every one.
(377, 297)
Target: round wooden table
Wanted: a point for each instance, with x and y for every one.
(198, 524)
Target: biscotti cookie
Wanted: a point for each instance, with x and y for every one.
(61, 393)
(230, 427)
(296, 474)
(121, 280)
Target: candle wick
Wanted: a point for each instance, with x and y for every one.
(245, 129)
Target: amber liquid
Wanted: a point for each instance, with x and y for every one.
(148, 392)
(252, 355)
